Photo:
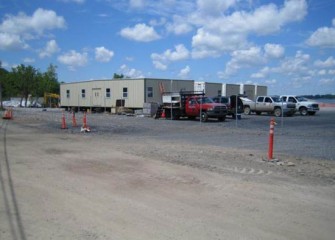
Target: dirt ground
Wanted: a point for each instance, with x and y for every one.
(123, 181)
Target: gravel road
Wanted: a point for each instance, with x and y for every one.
(141, 178)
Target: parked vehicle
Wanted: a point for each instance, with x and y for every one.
(269, 104)
(303, 105)
(192, 104)
(233, 109)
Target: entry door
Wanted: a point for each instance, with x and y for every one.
(96, 97)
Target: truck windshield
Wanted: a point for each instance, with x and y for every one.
(276, 99)
(302, 99)
(205, 100)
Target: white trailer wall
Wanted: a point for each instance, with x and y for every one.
(248, 90)
(210, 89)
(134, 92)
(230, 89)
(261, 90)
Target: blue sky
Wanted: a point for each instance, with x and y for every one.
(287, 45)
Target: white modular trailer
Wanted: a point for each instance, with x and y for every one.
(230, 89)
(210, 89)
(261, 90)
(248, 90)
(253, 91)
(105, 93)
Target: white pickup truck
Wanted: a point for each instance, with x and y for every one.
(269, 104)
(303, 105)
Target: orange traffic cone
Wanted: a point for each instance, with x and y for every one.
(74, 121)
(63, 122)
(85, 128)
(7, 114)
(163, 114)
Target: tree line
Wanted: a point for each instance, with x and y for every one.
(26, 81)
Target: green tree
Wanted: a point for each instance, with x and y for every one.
(25, 80)
(3, 77)
(118, 76)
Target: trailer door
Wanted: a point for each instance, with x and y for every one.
(96, 97)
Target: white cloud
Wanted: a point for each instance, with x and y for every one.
(296, 66)
(274, 50)
(161, 61)
(271, 81)
(141, 32)
(26, 26)
(322, 72)
(331, 71)
(136, 3)
(50, 48)
(184, 72)
(323, 37)
(11, 42)
(102, 54)
(329, 62)
(130, 72)
(262, 73)
(15, 31)
(326, 81)
(230, 32)
(159, 65)
(28, 60)
(179, 25)
(244, 59)
(73, 59)
(214, 7)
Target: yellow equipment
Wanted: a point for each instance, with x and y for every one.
(51, 99)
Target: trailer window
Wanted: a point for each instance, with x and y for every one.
(125, 92)
(108, 92)
(83, 93)
(150, 92)
(68, 93)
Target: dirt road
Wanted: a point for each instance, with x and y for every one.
(60, 185)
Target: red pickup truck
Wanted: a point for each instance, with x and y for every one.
(192, 105)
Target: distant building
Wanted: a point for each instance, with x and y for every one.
(107, 94)
(134, 93)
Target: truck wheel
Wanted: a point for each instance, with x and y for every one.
(303, 111)
(222, 119)
(277, 112)
(204, 117)
(247, 110)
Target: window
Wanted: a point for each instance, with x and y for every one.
(260, 99)
(108, 92)
(268, 100)
(83, 93)
(150, 92)
(68, 93)
(219, 93)
(291, 99)
(125, 92)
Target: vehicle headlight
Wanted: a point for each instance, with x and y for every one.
(210, 109)
(309, 105)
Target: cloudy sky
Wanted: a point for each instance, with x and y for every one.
(287, 45)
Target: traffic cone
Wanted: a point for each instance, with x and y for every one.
(63, 122)
(163, 114)
(7, 115)
(10, 113)
(74, 122)
(85, 128)
(84, 120)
